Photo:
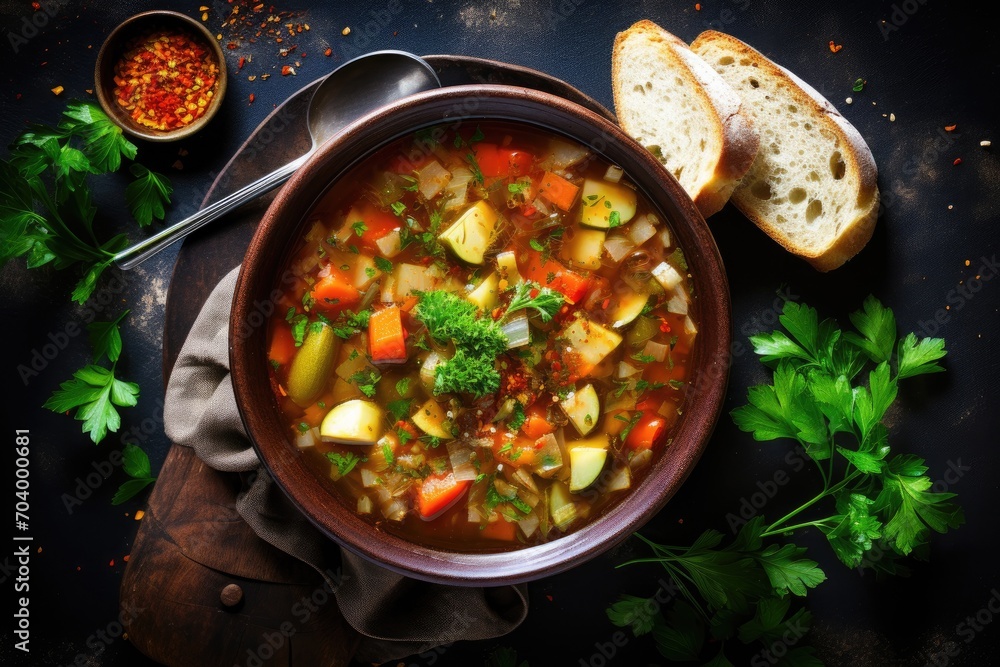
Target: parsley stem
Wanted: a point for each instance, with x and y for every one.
(788, 529)
(87, 250)
(772, 529)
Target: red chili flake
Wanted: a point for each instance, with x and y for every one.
(328, 52)
(111, 563)
(251, 99)
(835, 47)
(664, 326)
(957, 161)
(18, 96)
(950, 128)
(37, 6)
(697, 7)
(125, 557)
(286, 70)
(166, 79)
(605, 304)
(549, 598)
(232, 46)
(243, 61)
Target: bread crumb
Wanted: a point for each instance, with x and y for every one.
(950, 206)
(139, 515)
(985, 144)
(346, 31)
(850, 100)
(967, 262)
(58, 90)
(892, 118)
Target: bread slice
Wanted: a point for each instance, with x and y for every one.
(813, 185)
(674, 104)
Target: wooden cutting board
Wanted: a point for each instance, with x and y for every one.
(200, 587)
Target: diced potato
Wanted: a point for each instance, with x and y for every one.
(391, 244)
(629, 307)
(584, 248)
(586, 464)
(600, 198)
(431, 419)
(470, 235)
(590, 343)
(487, 295)
(363, 272)
(507, 263)
(356, 422)
(583, 409)
(410, 278)
(667, 276)
(621, 480)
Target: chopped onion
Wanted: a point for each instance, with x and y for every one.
(624, 402)
(678, 304)
(621, 479)
(641, 230)
(549, 457)
(395, 509)
(564, 154)
(626, 370)
(428, 369)
(432, 179)
(665, 237)
(517, 331)
(364, 505)
(656, 350)
(614, 174)
(391, 244)
(460, 457)
(389, 290)
(524, 478)
(541, 206)
(618, 247)
(641, 459)
(455, 191)
(307, 439)
(689, 326)
(369, 478)
(529, 524)
(505, 489)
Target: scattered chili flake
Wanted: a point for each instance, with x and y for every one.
(957, 161)
(37, 6)
(111, 563)
(549, 598)
(697, 6)
(139, 515)
(58, 90)
(126, 557)
(328, 52)
(178, 165)
(286, 70)
(950, 128)
(835, 47)
(166, 79)
(251, 99)
(242, 62)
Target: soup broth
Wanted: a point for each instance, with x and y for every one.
(484, 337)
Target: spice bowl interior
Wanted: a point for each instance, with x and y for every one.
(114, 49)
(263, 277)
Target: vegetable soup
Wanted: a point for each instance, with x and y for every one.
(484, 337)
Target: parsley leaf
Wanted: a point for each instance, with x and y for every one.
(359, 228)
(546, 302)
(135, 462)
(383, 265)
(635, 612)
(106, 339)
(917, 357)
(517, 418)
(147, 195)
(343, 462)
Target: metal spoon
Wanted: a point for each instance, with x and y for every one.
(356, 87)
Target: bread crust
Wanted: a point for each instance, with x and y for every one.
(856, 232)
(726, 121)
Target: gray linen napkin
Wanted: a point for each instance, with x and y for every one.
(396, 615)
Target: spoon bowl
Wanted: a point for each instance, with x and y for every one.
(359, 86)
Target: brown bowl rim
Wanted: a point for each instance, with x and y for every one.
(271, 243)
(111, 48)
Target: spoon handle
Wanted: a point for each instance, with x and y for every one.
(135, 254)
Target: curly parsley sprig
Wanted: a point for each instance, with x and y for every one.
(820, 399)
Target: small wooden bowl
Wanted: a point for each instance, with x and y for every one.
(112, 50)
(280, 230)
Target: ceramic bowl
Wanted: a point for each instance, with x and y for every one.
(281, 228)
(113, 49)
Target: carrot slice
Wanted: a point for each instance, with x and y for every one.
(386, 336)
(501, 529)
(335, 292)
(439, 492)
(558, 190)
(536, 422)
(550, 273)
(282, 349)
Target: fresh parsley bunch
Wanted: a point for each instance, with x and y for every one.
(47, 171)
(820, 399)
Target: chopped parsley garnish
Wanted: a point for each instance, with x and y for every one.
(403, 386)
(398, 208)
(518, 188)
(643, 358)
(517, 418)
(630, 423)
(383, 265)
(477, 173)
(344, 462)
(370, 272)
(537, 245)
(359, 227)
(365, 381)
(546, 302)
(614, 219)
(387, 454)
(400, 409)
